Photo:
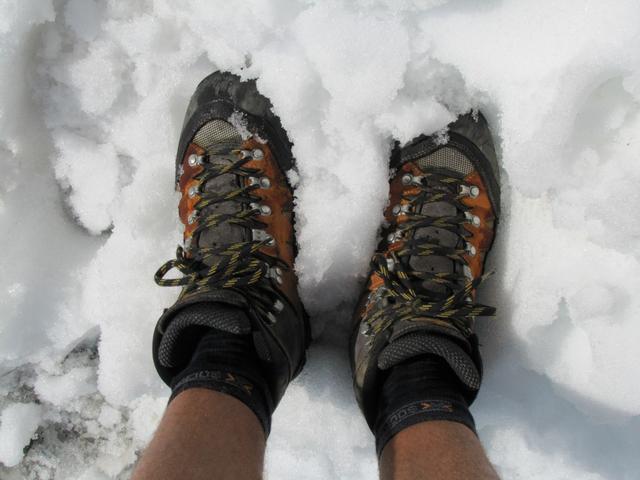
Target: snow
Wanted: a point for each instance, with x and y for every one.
(92, 96)
(61, 389)
(18, 424)
(90, 196)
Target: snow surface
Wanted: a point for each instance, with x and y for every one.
(19, 424)
(92, 95)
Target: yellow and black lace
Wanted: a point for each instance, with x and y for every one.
(225, 266)
(402, 297)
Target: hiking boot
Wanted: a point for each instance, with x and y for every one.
(237, 259)
(420, 298)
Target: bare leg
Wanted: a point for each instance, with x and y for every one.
(435, 450)
(204, 435)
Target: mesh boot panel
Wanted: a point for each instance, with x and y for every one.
(217, 136)
(420, 343)
(445, 157)
(212, 315)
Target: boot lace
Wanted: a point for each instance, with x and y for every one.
(225, 266)
(402, 296)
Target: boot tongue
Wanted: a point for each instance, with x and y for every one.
(435, 263)
(460, 166)
(219, 138)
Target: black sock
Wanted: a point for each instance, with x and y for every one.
(419, 390)
(228, 363)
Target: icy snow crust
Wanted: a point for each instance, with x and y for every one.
(92, 96)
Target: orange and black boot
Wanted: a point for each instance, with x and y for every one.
(238, 326)
(413, 352)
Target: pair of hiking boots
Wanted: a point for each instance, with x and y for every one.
(239, 286)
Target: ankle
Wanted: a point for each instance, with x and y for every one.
(227, 363)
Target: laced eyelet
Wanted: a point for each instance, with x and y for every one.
(193, 217)
(194, 191)
(265, 182)
(408, 179)
(394, 237)
(278, 306)
(467, 272)
(276, 274)
(366, 330)
(257, 154)
(469, 190)
(265, 210)
(195, 160)
(472, 219)
(401, 209)
(471, 249)
(391, 264)
(261, 235)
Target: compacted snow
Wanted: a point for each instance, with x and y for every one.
(92, 95)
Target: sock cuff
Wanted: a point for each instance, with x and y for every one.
(418, 411)
(422, 389)
(228, 381)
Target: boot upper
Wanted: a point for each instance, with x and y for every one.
(439, 226)
(238, 241)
